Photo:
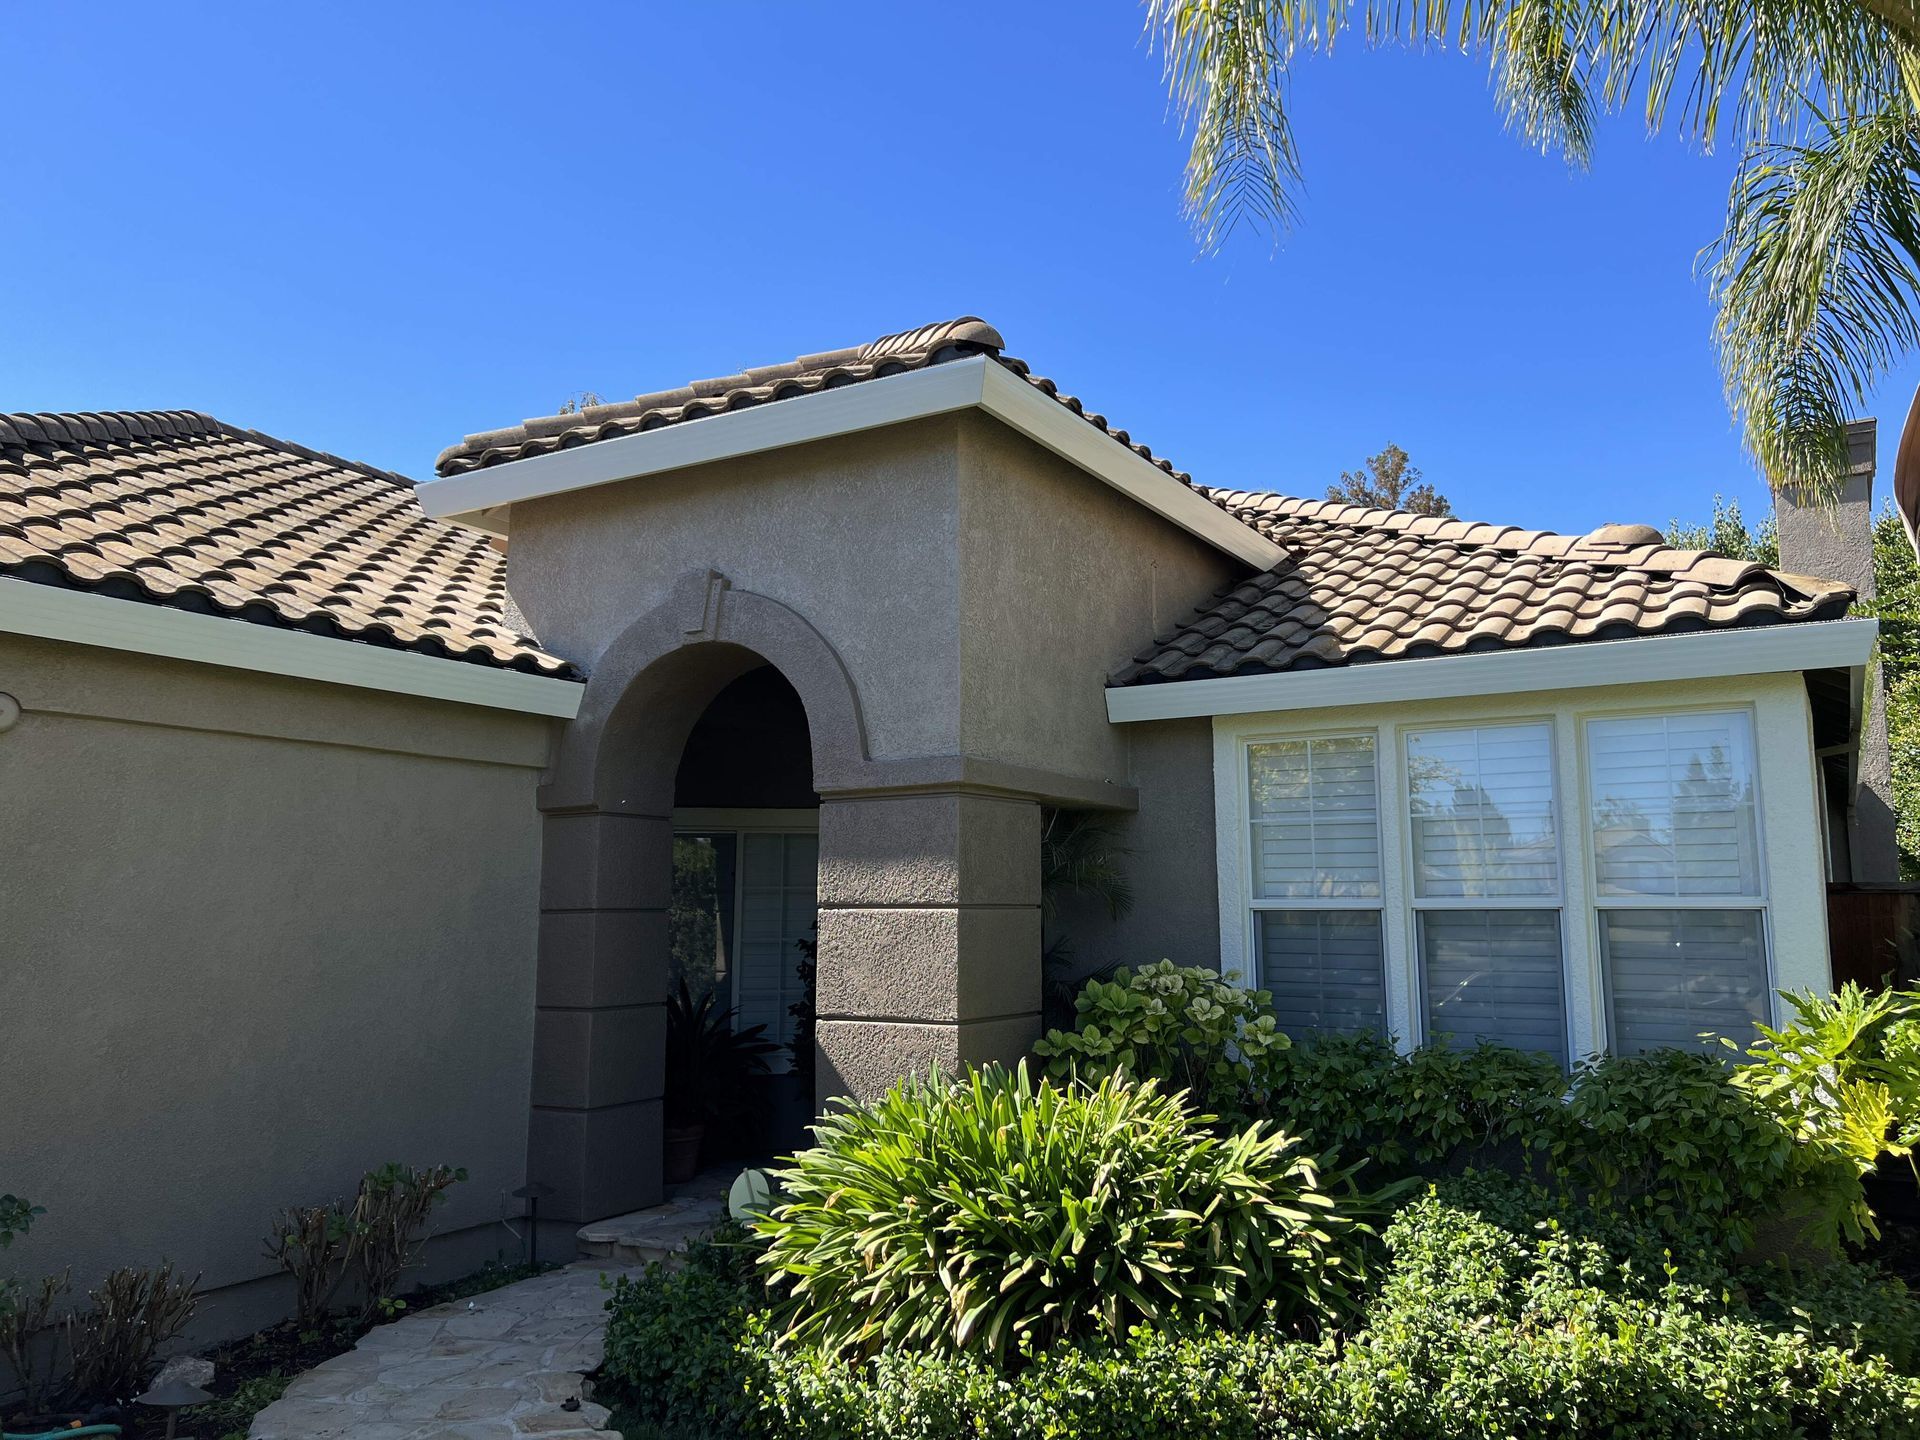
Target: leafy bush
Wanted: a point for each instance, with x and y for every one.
(998, 1215)
(1669, 1136)
(16, 1218)
(1435, 1110)
(386, 1228)
(1844, 1077)
(1498, 1318)
(1148, 1388)
(1190, 1028)
(672, 1337)
(1710, 1151)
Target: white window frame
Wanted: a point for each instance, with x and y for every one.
(1762, 902)
(1249, 967)
(1786, 812)
(1417, 903)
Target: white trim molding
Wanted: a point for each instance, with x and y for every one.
(48, 612)
(1697, 655)
(483, 499)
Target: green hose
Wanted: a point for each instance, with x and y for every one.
(61, 1434)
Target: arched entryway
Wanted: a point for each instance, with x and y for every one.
(927, 883)
(742, 928)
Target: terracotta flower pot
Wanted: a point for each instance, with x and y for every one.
(683, 1152)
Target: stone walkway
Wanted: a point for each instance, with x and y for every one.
(499, 1366)
(692, 1212)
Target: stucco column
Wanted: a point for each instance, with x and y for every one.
(599, 1037)
(929, 936)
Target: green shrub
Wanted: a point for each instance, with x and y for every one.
(1844, 1078)
(1434, 1110)
(998, 1214)
(1190, 1028)
(1147, 1388)
(1491, 1323)
(672, 1336)
(1505, 1311)
(1853, 1307)
(1669, 1136)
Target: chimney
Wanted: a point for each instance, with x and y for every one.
(1836, 543)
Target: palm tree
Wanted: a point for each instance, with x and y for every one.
(1817, 273)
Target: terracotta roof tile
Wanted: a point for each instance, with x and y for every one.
(889, 355)
(173, 507)
(1362, 585)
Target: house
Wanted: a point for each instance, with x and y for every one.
(343, 810)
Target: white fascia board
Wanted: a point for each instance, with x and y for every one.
(1703, 654)
(47, 612)
(1047, 422)
(479, 498)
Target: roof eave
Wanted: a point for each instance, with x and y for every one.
(482, 499)
(83, 617)
(1647, 659)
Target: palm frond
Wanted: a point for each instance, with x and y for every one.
(1817, 279)
(1541, 77)
(1225, 65)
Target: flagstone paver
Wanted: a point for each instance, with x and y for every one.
(499, 1366)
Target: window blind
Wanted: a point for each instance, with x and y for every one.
(1316, 819)
(1481, 803)
(1672, 974)
(1673, 805)
(1494, 975)
(1325, 968)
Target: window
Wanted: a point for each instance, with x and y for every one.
(778, 878)
(744, 898)
(1315, 843)
(1677, 878)
(1486, 885)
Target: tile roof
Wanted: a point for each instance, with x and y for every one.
(1368, 585)
(889, 355)
(175, 508)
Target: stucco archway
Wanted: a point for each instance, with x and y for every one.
(595, 1133)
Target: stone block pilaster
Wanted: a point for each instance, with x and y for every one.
(600, 1022)
(929, 936)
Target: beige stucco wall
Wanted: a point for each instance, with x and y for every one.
(257, 935)
(1062, 579)
(1171, 860)
(856, 534)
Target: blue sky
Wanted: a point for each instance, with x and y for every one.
(371, 229)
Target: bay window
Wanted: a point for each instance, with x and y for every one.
(1315, 845)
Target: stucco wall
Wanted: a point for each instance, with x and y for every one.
(258, 936)
(1062, 579)
(855, 534)
(1176, 912)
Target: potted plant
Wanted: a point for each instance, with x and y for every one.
(708, 1067)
